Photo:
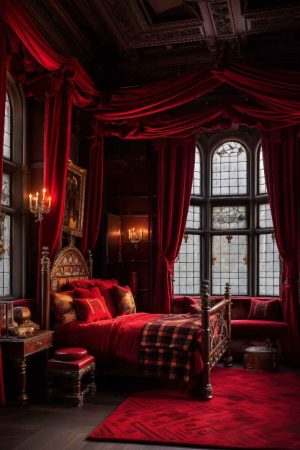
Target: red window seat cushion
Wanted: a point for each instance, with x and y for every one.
(260, 329)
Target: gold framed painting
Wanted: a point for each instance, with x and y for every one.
(75, 196)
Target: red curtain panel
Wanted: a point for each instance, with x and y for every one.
(281, 151)
(3, 74)
(93, 207)
(176, 159)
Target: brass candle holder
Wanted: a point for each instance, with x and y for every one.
(39, 206)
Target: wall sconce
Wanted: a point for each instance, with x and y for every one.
(135, 236)
(39, 207)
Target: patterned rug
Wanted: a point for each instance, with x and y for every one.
(249, 410)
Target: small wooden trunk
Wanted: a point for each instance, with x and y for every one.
(260, 358)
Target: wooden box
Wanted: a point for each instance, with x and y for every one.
(260, 358)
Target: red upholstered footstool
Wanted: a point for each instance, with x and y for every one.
(71, 375)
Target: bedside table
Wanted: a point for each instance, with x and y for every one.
(18, 349)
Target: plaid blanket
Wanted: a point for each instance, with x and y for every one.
(166, 346)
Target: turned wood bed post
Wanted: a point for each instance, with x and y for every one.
(206, 389)
(90, 262)
(45, 289)
(227, 356)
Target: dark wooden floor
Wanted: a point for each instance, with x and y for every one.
(42, 426)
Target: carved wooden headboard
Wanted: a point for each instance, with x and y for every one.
(68, 264)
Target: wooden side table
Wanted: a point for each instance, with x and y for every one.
(18, 349)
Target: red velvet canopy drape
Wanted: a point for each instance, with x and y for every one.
(3, 74)
(176, 160)
(281, 151)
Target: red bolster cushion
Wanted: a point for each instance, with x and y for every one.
(91, 309)
(264, 309)
(255, 329)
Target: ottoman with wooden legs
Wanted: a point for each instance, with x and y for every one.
(70, 375)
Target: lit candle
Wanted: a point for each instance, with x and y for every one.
(30, 201)
(49, 202)
(43, 197)
(37, 200)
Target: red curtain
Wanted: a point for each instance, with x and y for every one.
(93, 207)
(281, 151)
(3, 73)
(176, 160)
(57, 135)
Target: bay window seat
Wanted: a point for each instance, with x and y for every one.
(254, 320)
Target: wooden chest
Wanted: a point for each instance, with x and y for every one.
(260, 358)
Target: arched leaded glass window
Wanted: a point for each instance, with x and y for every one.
(229, 232)
(229, 169)
(5, 223)
(262, 187)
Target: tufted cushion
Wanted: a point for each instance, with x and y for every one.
(70, 365)
(63, 306)
(264, 309)
(70, 354)
(91, 309)
(124, 300)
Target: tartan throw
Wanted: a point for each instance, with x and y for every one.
(166, 346)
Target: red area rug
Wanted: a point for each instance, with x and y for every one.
(249, 410)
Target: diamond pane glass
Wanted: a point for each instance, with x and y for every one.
(194, 218)
(6, 181)
(187, 266)
(264, 216)
(5, 258)
(262, 188)
(196, 187)
(229, 217)
(230, 264)
(269, 266)
(7, 130)
(229, 169)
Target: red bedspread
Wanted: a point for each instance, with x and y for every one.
(110, 339)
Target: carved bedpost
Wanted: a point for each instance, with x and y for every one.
(90, 262)
(227, 356)
(206, 389)
(45, 289)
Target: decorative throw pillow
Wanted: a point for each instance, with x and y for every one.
(264, 309)
(124, 300)
(84, 283)
(63, 306)
(91, 309)
(92, 292)
(106, 289)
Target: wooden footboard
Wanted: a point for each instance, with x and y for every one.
(216, 336)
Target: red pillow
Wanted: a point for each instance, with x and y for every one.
(93, 292)
(264, 309)
(91, 309)
(84, 283)
(106, 289)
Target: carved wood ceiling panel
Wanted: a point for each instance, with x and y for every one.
(142, 40)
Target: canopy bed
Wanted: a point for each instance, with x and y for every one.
(121, 338)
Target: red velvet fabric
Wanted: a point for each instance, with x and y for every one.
(91, 309)
(281, 152)
(3, 73)
(92, 292)
(71, 365)
(70, 353)
(93, 205)
(258, 329)
(157, 97)
(175, 175)
(265, 310)
(57, 135)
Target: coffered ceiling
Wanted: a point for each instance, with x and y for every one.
(125, 42)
